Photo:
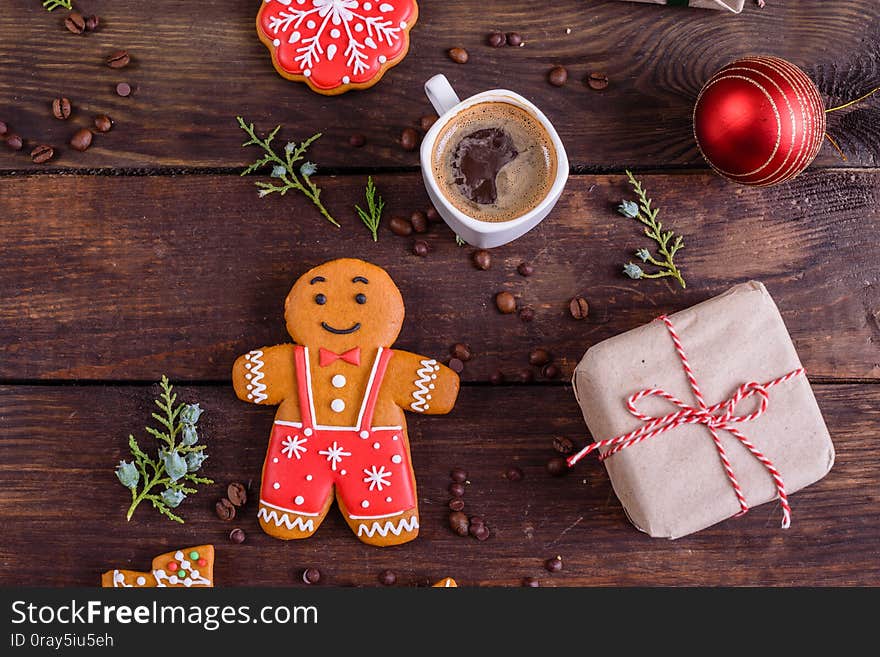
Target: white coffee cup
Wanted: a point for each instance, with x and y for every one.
(485, 234)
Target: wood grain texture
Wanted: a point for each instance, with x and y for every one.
(128, 278)
(60, 445)
(196, 68)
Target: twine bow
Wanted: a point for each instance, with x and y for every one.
(719, 417)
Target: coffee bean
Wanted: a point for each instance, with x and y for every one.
(311, 575)
(224, 509)
(456, 365)
(526, 376)
(3, 128)
(456, 488)
(61, 108)
(579, 308)
(563, 445)
(527, 314)
(237, 493)
(525, 269)
(419, 221)
(482, 259)
(123, 89)
(496, 378)
(92, 23)
(456, 504)
(531, 582)
(514, 39)
(539, 356)
(42, 154)
(477, 521)
(513, 473)
(461, 351)
(75, 22)
(553, 564)
(458, 523)
(81, 139)
(387, 578)
(557, 466)
(118, 59)
(551, 371)
(458, 55)
(433, 216)
(481, 533)
(597, 81)
(458, 474)
(14, 142)
(557, 76)
(427, 121)
(237, 536)
(505, 302)
(357, 140)
(420, 248)
(409, 139)
(103, 123)
(477, 528)
(400, 226)
(497, 39)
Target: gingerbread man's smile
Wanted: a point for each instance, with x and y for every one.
(351, 329)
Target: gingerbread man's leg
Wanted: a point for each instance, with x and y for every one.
(288, 525)
(383, 532)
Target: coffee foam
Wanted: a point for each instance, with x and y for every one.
(522, 184)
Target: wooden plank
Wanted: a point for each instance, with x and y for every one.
(194, 71)
(128, 278)
(61, 501)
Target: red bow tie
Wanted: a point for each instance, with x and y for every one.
(326, 357)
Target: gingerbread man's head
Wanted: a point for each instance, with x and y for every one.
(344, 303)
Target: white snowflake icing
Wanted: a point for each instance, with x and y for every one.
(377, 478)
(334, 454)
(294, 447)
(336, 13)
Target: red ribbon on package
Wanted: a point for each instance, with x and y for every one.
(719, 417)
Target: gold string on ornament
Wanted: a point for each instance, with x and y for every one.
(844, 106)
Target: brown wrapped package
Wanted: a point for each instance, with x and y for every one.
(674, 484)
(735, 6)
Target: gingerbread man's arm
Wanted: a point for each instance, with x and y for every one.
(265, 376)
(421, 384)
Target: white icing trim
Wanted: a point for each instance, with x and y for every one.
(419, 394)
(187, 581)
(386, 515)
(279, 519)
(119, 581)
(281, 508)
(405, 524)
(298, 425)
(258, 394)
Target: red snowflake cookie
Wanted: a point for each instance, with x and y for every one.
(336, 45)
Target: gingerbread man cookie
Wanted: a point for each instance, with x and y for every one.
(341, 393)
(180, 569)
(336, 45)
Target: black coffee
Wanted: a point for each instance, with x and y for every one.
(477, 160)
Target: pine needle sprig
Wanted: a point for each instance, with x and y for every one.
(285, 169)
(52, 5)
(668, 244)
(373, 215)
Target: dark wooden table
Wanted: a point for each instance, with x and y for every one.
(148, 254)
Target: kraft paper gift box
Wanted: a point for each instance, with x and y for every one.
(735, 6)
(674, 483)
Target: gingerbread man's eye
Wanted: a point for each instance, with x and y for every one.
(320, 299)
(361, 298)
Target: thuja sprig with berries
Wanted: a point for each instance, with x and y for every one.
(372, 216)
(667, 247)
(52, 5)
(178, 458)
(284, 167)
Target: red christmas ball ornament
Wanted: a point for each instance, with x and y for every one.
(759, 121)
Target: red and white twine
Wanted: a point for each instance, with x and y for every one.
(718, 417)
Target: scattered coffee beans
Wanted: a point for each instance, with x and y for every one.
(224, 509)
(579, 308)
(505, 302)
(563, 445)
(123, 89)
(387, 578)
(3, 128)
(456, 365)
(42, 154)
(531, 582)
(597, 81)
(497, 39)
(557, 76)
(420, 248)
(482, 259)
(14, 142)
(237, 536)
(461, 351)
(356, 141)
(236, 493)
(419, 221)
(551, 371)
(526, 376)
(527, 314)
(456, 488)
(409, 139)
(525, 269)
(458, 523)
(456, 504)
(427, 121)
(92, 23)
(400, 226)
(553, 564)
(513, 473)
(539, 356)
(496, 378)
(118, 59)
(81, 139)
(433, 216)
(103, 123)
(61, 108)
(75, 22)
(458, 55)
(478, 529)
(514, 39)
(557, 466)
(311, 575)
(458, 474)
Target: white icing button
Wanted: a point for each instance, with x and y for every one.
(365, 504)
(311, 25)
(393, 437)
(434, 376)
(382, 59)
(250, 396)
(337, 405)
(194, 573)
(275, 460)
(178, 555)
(388, 499)
(172, 579)
(248, 376)
(338, 381)
(396, 458)
(427, 396)
(187, 582)
(307, 431)
(436, 368)
(141, 581)
(276, 42)
(345, 79)
(249, 386)
(342, 472)
(376, 445)
(276, 485)
(299, 499)
(335, 33)
(364, 434)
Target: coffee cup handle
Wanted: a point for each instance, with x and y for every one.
(441, 94)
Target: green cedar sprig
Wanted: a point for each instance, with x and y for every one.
(284, 169)
(52, 5)
(666, 246)
(375, 205)
(177, 461)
